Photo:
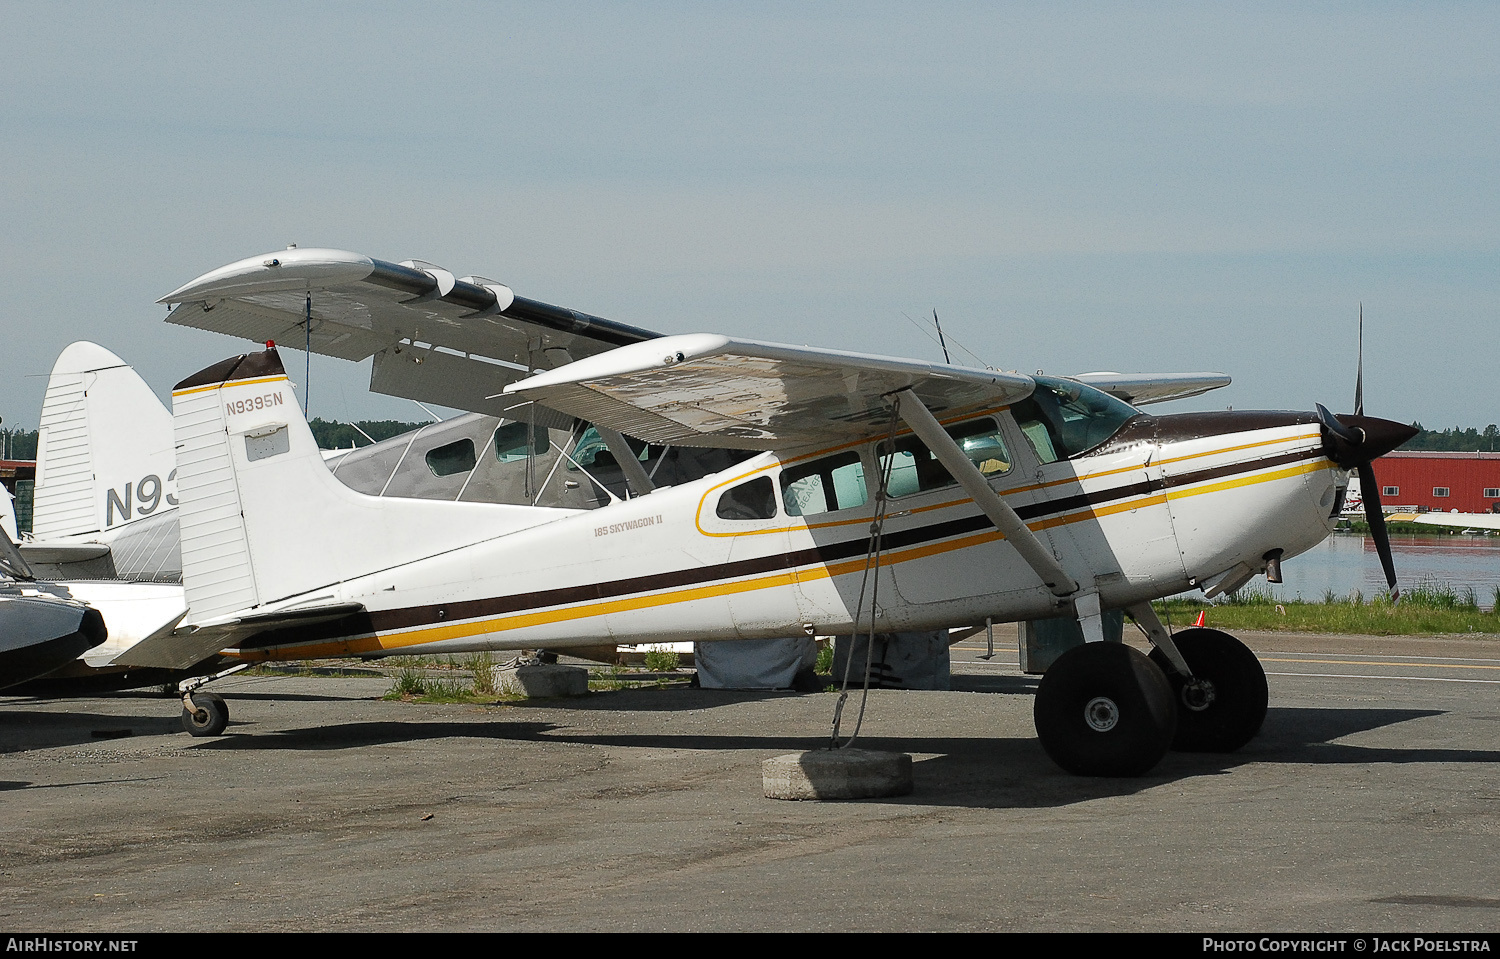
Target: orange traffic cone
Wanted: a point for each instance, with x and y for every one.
(1199, 622)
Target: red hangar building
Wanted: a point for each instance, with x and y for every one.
(1427, 481)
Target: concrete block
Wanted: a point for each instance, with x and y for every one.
(837, 774)
(542, 681)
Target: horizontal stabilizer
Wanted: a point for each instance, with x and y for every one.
(301, 616)
(166, 648)
(58, 553)
(708, 390)
(187, 646)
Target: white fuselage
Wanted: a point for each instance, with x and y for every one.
(1138, 518)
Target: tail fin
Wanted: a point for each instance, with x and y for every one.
(262, 517)
(105, 453)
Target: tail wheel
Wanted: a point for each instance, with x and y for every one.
(1225, 706)
(1104, 709)
(209, 718)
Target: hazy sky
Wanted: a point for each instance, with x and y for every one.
(1072, 187)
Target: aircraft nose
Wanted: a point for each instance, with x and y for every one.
(1380, 436)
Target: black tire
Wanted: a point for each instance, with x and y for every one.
(1240, 695)
(1104, 709)
(210, 718)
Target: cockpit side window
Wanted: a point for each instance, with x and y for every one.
(1063, 419)
(455, 457)
(824, 485)
(516, 441)
(753, 500)
(914, 469)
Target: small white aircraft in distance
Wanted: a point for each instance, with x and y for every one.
(1474, 521)
(885, 494)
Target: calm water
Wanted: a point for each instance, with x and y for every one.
(1347, 561)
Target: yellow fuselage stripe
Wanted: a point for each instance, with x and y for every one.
(215, 386)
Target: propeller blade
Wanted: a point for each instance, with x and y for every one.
(1369, 491)
(1359, 375)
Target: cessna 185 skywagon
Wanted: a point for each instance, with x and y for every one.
(886, 495)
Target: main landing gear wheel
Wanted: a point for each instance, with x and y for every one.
(1226, 705)
(1104, 709)
(209, 719)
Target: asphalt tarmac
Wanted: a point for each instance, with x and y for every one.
(1369, 803)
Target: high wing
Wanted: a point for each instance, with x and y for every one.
(704, 389)
(435, 337)
(456, 341)
(1141, 389)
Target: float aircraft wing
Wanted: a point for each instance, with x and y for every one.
(435, 337)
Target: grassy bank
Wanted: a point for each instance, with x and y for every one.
(1398, 528)
(1422, 609)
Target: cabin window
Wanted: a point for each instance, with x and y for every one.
(516, 441)
(753, 500)
(1063, 419)
(824, 485)
(1491, 492)
(1390, 491)
(1439, 491)
(914, 468)
(455, 457)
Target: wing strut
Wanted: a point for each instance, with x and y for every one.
(640, 483)
(958, 464)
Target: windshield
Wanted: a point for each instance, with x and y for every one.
(1063, 419)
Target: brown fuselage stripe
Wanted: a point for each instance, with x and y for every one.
(385, 621)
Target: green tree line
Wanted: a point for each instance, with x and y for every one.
(1456, 439)
(18, 444)
(333, 435)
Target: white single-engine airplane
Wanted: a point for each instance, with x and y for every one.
(968, 494)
